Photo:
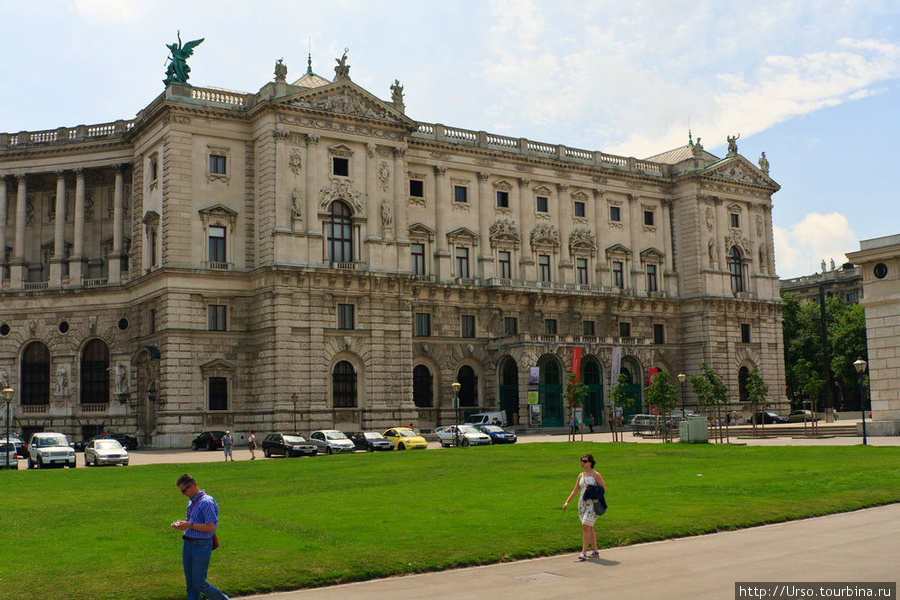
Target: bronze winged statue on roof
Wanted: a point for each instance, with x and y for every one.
(178, 70)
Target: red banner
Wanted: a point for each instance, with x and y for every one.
(576, 363)
(650, 373)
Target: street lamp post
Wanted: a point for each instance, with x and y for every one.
(455, 386)
(681, 378)
(8, 394)
(860, 366)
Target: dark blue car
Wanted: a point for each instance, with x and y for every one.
(498, 434)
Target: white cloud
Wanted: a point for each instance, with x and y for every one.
(112, 11)
(801, 248)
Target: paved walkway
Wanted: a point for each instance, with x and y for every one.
(852, 547)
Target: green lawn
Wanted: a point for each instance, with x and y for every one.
(104, 533)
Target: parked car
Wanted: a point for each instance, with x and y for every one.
(210, 440)
(128, 442)
(288, 444)
(370, 441)
(767, 418)
(50, 450)
(464, 435)
(331, 441)
(105, 452)
(800, 416)
(498, 434)
(487, 418)
(21, 447)
(9, 459)
(405, 438)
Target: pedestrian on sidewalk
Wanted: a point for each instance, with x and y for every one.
(586, 512)
(251, 443)
(228, 446)
(591, 422)
(199, 535)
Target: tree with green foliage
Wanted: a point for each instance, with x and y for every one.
(711, 392)
(574, 394)
(757, 393)
(662, 393)
(618, 399)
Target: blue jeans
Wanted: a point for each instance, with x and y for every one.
(228, 449)
(195, 556)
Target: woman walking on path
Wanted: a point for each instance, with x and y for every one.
(251, 442)
(586, 507)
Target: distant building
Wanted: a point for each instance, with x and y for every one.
(879, 260)
(844, 282)
(310, 254)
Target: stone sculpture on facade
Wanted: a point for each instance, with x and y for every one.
(387, 214)
(121, 379)
(397, 95)
(280, 71)
(296, 205)
(62, 382)
(732, 144)
(697, 149)
(178, 71)
(764, 163)
(4, 379)
(342, 70)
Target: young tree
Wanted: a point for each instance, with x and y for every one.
(710, 391)
(663, 394)
(574, 395)
(757, 393)
(618, 400)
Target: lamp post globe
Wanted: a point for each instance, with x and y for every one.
(860, 366)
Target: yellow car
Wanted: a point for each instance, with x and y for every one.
(405, 438)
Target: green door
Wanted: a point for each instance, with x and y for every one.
(550, 390)
(509, 391)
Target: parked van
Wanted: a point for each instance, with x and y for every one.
(487, 418)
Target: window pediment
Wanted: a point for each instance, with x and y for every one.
(546, 235)
(462, 236)
(341, 150)
(218, 366)
(503, 185)
(542, 190)
(420, 233)
(651, 255)
(617, 250)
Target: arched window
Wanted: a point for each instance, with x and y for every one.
(423, 387)
(340, 233)
(743, 394)
(735, 267)
(35, 374)
(468, 393)
(95, 373)
(343, 385)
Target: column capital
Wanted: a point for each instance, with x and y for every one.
(562, 187)
(61, 174)
(482, 176)
(21, 177)
(79, 172)
(440, 170)
(312, 139)
(523, 182)
(121, 167)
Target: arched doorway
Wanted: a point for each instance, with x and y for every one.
(423, 387)
(552, 414)
(592, 377)
(633, 390)
(509, 389)
(743, 393)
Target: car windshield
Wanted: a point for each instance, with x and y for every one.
(468, 429)
(7, 447)
(51, 441)
(294, 439)
(493, 429)
(107, 445)
(407, 433)
(335, 435)
(373, 436)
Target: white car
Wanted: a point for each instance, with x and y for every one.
(468, 436)
(50, 450)
(8, 457)
(105, 452)
(331, 441)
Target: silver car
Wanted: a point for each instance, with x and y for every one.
(8, 457)
(105, 452)
(331, 441)
(50, 450)
(461, 435)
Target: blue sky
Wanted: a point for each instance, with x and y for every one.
(814, 84)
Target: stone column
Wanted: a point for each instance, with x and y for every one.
(635, 224)
(600, 228)
(17, 265)
(668, 260)
(114, 273)
(59, 232)
(564, 215)
(401, 226)
(768, 241)
(312, 162)
(3, 207)
(721, 219)
(441, 205)
(485, 202)
(526, 224)
(76, 262)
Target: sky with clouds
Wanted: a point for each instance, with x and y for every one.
(813, 83)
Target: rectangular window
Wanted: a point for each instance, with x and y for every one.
(581, 271)
(659, 333)
(735, 220)
(624, 330)
(215, 317)
(544, 267)
(153, 249)
(216, 164)
(505, 263)
(418, 258)
(467, 326)
(510, 326)
(218, 393)
(648, 217)
(340, 166)
(745, 333)
(154, 169)
(550, 326)
(423, 325)
(460, 193)
(852, 297)
(579, 209)
(542, 204)
(615, 214)
(416, 188)
(346, 316)
(588, 328)
(618, 275)
(217, 244)
(462, 263)
(503, 199)
(651, 279)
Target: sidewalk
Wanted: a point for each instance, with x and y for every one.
(851, 547)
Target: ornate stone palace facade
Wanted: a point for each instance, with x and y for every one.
(308, 256)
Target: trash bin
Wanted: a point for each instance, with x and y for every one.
(694, 431)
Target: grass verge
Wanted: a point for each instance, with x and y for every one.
(103, 533)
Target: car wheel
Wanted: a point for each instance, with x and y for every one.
(401, 447)
(30, 464)
(465, 442)
(267, 453)
(125, 464)
(194, 445)
(73, 464)
(443, 445)
(369, 448)
(328, 450)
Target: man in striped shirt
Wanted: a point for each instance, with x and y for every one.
(199, 529)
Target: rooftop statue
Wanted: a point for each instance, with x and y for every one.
(280, 70)
(764, 163)
(732, 143)
(178, 71)
(342, 70)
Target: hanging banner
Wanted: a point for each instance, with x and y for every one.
(534, 379)
(576, 363)
(616, 366)
(651, 373)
